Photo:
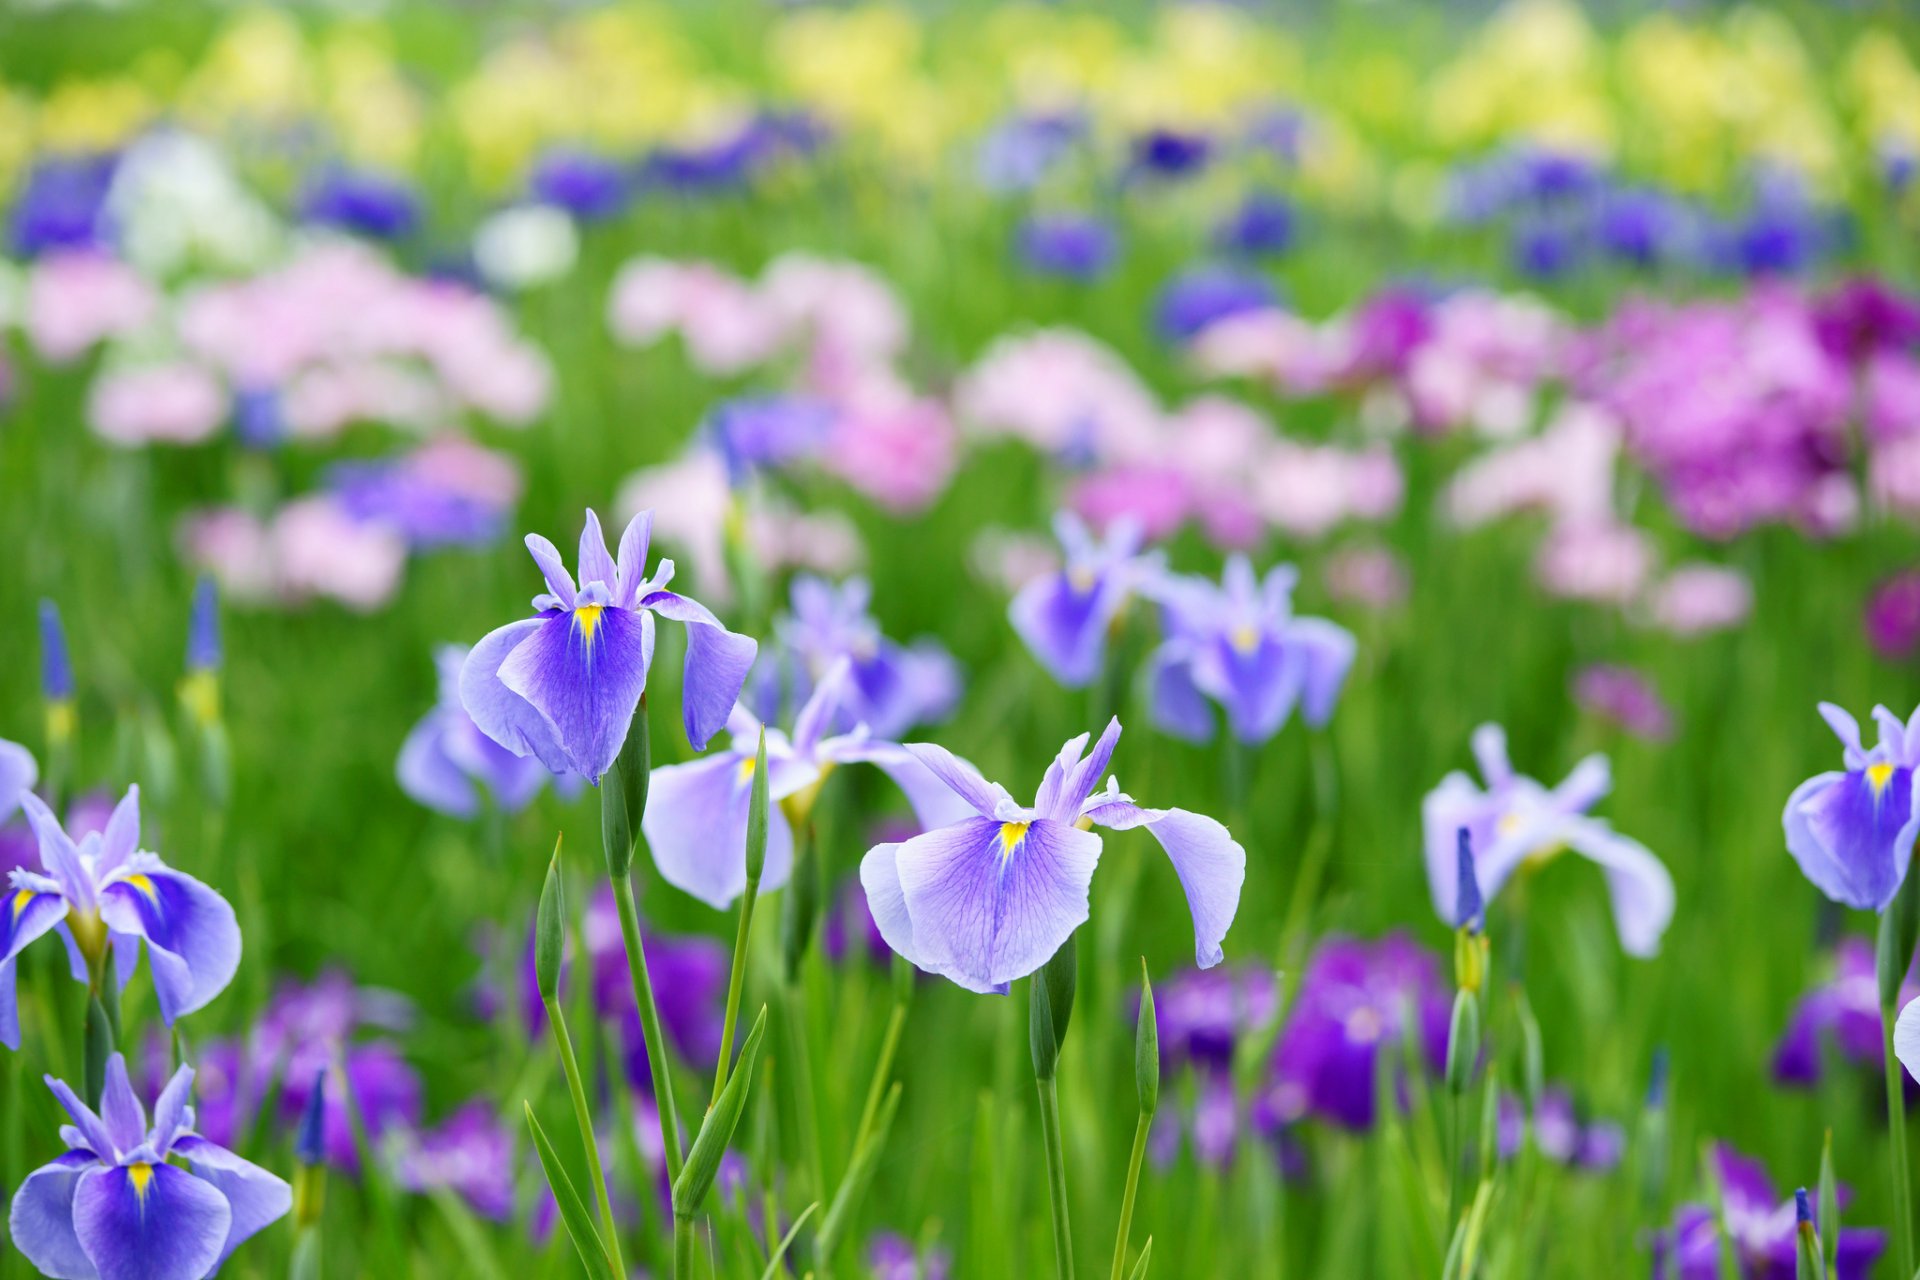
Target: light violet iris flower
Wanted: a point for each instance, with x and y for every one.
(1240, 645)
(696, 818)
(563, 685)
(116, 1207)
(1064, 617)
(1852, 832)
(18, 773)
(990, 898)
(107, 893)
(1515, 821)
(449, 765)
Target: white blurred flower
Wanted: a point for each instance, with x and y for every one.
(176, 204)
(525, 246)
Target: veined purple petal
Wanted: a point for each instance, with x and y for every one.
(172, 1112)
(503, 715)
(1178, 706)
(121, 837)
(40, 1221)
(150, 1222)
(1853, 833)
(631, 566)
(553, 569)
(193, 940)
(85, 1122)
(120, 1108)
(696, 828)
(934, 803)
(959, 777)
(717, 664)
(1084, 775)
(58, 854)
(886, 902)
(255, 1198)
(1210, 863)
(583, 670)
(595, 564)
(992, 901)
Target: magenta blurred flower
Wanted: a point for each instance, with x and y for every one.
(1892, 616)
(1625, 697)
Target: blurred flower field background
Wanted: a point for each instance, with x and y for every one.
(1374, 408)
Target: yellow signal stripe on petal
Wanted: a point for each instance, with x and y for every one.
(141, 1176)
(20, 901)
(144, 885)
(1877, 777)
(587, 617)
(1011, 834)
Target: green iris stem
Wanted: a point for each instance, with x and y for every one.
(576, 1089)
(1897, 1138)
(735, 981)
(1056, 1175)
(657, 1069)
(807, 1123)
(682, 1248)
(1126, 1199)
(889, 1046)
(1457, 1175)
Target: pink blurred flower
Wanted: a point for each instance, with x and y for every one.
(1307, 490)
(1625, 697)
(1061, 392)
(232, 545)
(319, 550)
(899, 451)
(1297, 357)
(1698, 598)
(845, 308)
(1482, 361)
(77, 299)
(178, 402)
(1892, 616)
(1565, 471)
(1370, 576)
(1155, 496)
(1601, 561)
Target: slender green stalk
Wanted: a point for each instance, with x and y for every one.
(734, 983)
(808, 1126)
(1126, 1199)
(576, 1088)
(683, 1247)
(1897, 1139)
(889, 1046)
(1056, 1176)
(656, 1039)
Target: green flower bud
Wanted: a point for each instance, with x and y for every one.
(550, 931)
(1146, 1048)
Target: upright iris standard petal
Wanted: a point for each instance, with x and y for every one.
(992, 901)
(1852, 832)
(563, 686)
(1064, 617)
(145, 1221)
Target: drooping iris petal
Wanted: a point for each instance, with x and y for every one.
(193, 940)
(1063, 618)
(502, 714)
(696, 827)
(1638, 883)
(934, 803)
(17, 776)
(428, 774)
(992, 901)
(595, 564)
(717, 664)
(40, 1220)
(150, 1222)
(1852, 833)
(1255, 675)
(255, 1198)
(583, 670)
(25, 914)
(1327, 651)
(1211, 865)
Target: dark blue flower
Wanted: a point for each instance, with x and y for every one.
(1074, 245)
(588, 186)
(62, 205)
(1171, 153)
(367, 204)
(1196, 298)
(1262, 225)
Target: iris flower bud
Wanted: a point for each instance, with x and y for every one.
(550, 931)
(1146, 1048)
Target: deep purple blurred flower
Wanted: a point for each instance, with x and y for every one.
(1261, 226)
(103, 893)
(1546, 248)
(1642, 227)
(470, 1153)
(893, 1257)
(1892, 617)
(1515, 821)
(1171, 153)
(1240, 645)
(1760, 1226)
(1356, 1000)
(447, 764)
(588, 186)
(1065, 617)
(1018, 153)
(733, 160)
(1842, 1012)
(990, 899)
(1202, 1014)
(259, 417)
(563, 685)
(115, 1204)
(766, 431)
(1852, 831)
(1076, 246)
(1595, 1146)
(367, 204)
(62, 205)
(1385, 331)
(1625, 697)
(1865, 316)
(848, 931)
(894, 686)
(1198, 297)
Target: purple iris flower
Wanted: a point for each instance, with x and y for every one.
(1171, 153)
(1065, 617)
(469, 1153)
(1357, 1000)
(106, 892)
(589, 186)
(1076, 246)
(1240, 645)
(448, 764)
(62, 205)
(1852, 832)
(367, 204)
(563, 685)
(759, 432)
(1843, 1011)
(1759, 1224)
(1201, 1015)
(1593, 1147)
(990, 898)
(1197, 298)
(56, 668)
(893, 1257)
(115, 1207)
(1515, 822)
(406, 496)
(1864, 317)
(1263, 225)
(1019, 153)
(1642, 227)
(696, 819)
(371, 1082)
(893, 686)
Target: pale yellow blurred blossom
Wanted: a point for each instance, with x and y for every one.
(1050, 61)
(16, 136)
(258, 72)
(1536, 72)
(376, 115)
(860, 69)
(94, 115)
(1884, 89)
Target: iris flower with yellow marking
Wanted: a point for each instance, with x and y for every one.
(563, 685)
(105, 896)
(1852, 831)
(114, 1206)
